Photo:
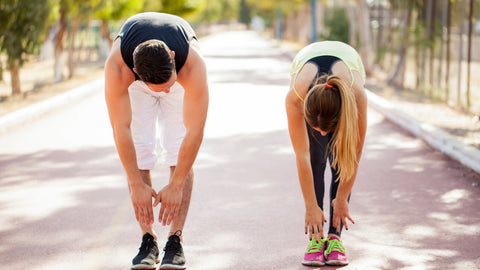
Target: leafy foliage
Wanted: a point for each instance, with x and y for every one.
(22, 24)
(115, 9)
(245, 12)
(337, 23)
(178, 7)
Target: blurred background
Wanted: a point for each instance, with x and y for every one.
(421, 46)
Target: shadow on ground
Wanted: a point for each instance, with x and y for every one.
(412, 206)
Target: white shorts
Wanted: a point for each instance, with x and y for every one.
(156, 110)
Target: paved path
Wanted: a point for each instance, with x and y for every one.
(64, 202)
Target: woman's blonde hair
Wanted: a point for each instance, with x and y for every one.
(330, 105)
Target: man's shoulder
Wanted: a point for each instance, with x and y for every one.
(193, 74)
(194, 61)
(116, 71)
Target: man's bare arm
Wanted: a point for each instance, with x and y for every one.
(193, 77)
(117, 79)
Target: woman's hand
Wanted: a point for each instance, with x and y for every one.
(314, 220)
(340, 214)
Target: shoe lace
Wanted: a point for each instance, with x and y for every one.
(145, 246)
(335, 245)
(172, 247)
(315, 246)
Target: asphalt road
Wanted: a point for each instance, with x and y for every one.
(64, 200)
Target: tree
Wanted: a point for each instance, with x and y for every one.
(398, 75)
(447, 75)
(80, 12)
(469, 52)
(420, 41)
(460, 57)
(291, 19)
(178, 7)
(60, 31)
(352, 30)
(22, 24)
(365, 35)
(110, 10)
(70, 12)
(338, 25)
(245, 15)
(207, 11)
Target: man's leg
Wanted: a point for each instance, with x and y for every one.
(144, 116)
(173, 257)
(147, 257)
(147, 179)
(179, 221)
(172, 133)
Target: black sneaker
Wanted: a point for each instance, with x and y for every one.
(174, 257)
(147, 254)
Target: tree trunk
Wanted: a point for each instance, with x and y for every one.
(460, 58)
(105, 42)
(447, 74)
(389, 39)
(365, 35)
(1, 71)
(58, 43)
(15, 77)
(352, 30)
(423, 74)
(82, 44)
(442, 43)
(106, 31)
(71, 49)
(313, 7)
(419, 46)
(469, 53)
(433, 18)
(397, 78)
(418, 65)
(380, 18)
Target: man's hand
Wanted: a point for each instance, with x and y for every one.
(141, 196)
(340, 214)
(314, 219)
(171, 198)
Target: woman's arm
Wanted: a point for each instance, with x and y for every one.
(314, 217)
(340, 204)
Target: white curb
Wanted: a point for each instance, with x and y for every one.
(33, 112)
(435, 137)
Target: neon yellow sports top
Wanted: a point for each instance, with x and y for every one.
(331, 48)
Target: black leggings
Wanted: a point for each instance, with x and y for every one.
(318, 161)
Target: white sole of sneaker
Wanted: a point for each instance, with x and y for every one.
(172, 267)
(143, 267)
(312, 263)
(336, 263)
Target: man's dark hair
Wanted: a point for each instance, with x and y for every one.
(153, 61)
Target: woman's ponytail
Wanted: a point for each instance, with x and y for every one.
(330, 106)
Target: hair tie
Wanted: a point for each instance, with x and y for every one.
(331, 86)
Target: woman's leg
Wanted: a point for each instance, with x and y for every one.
(318, 161)
(314, 256)
(333, 193)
